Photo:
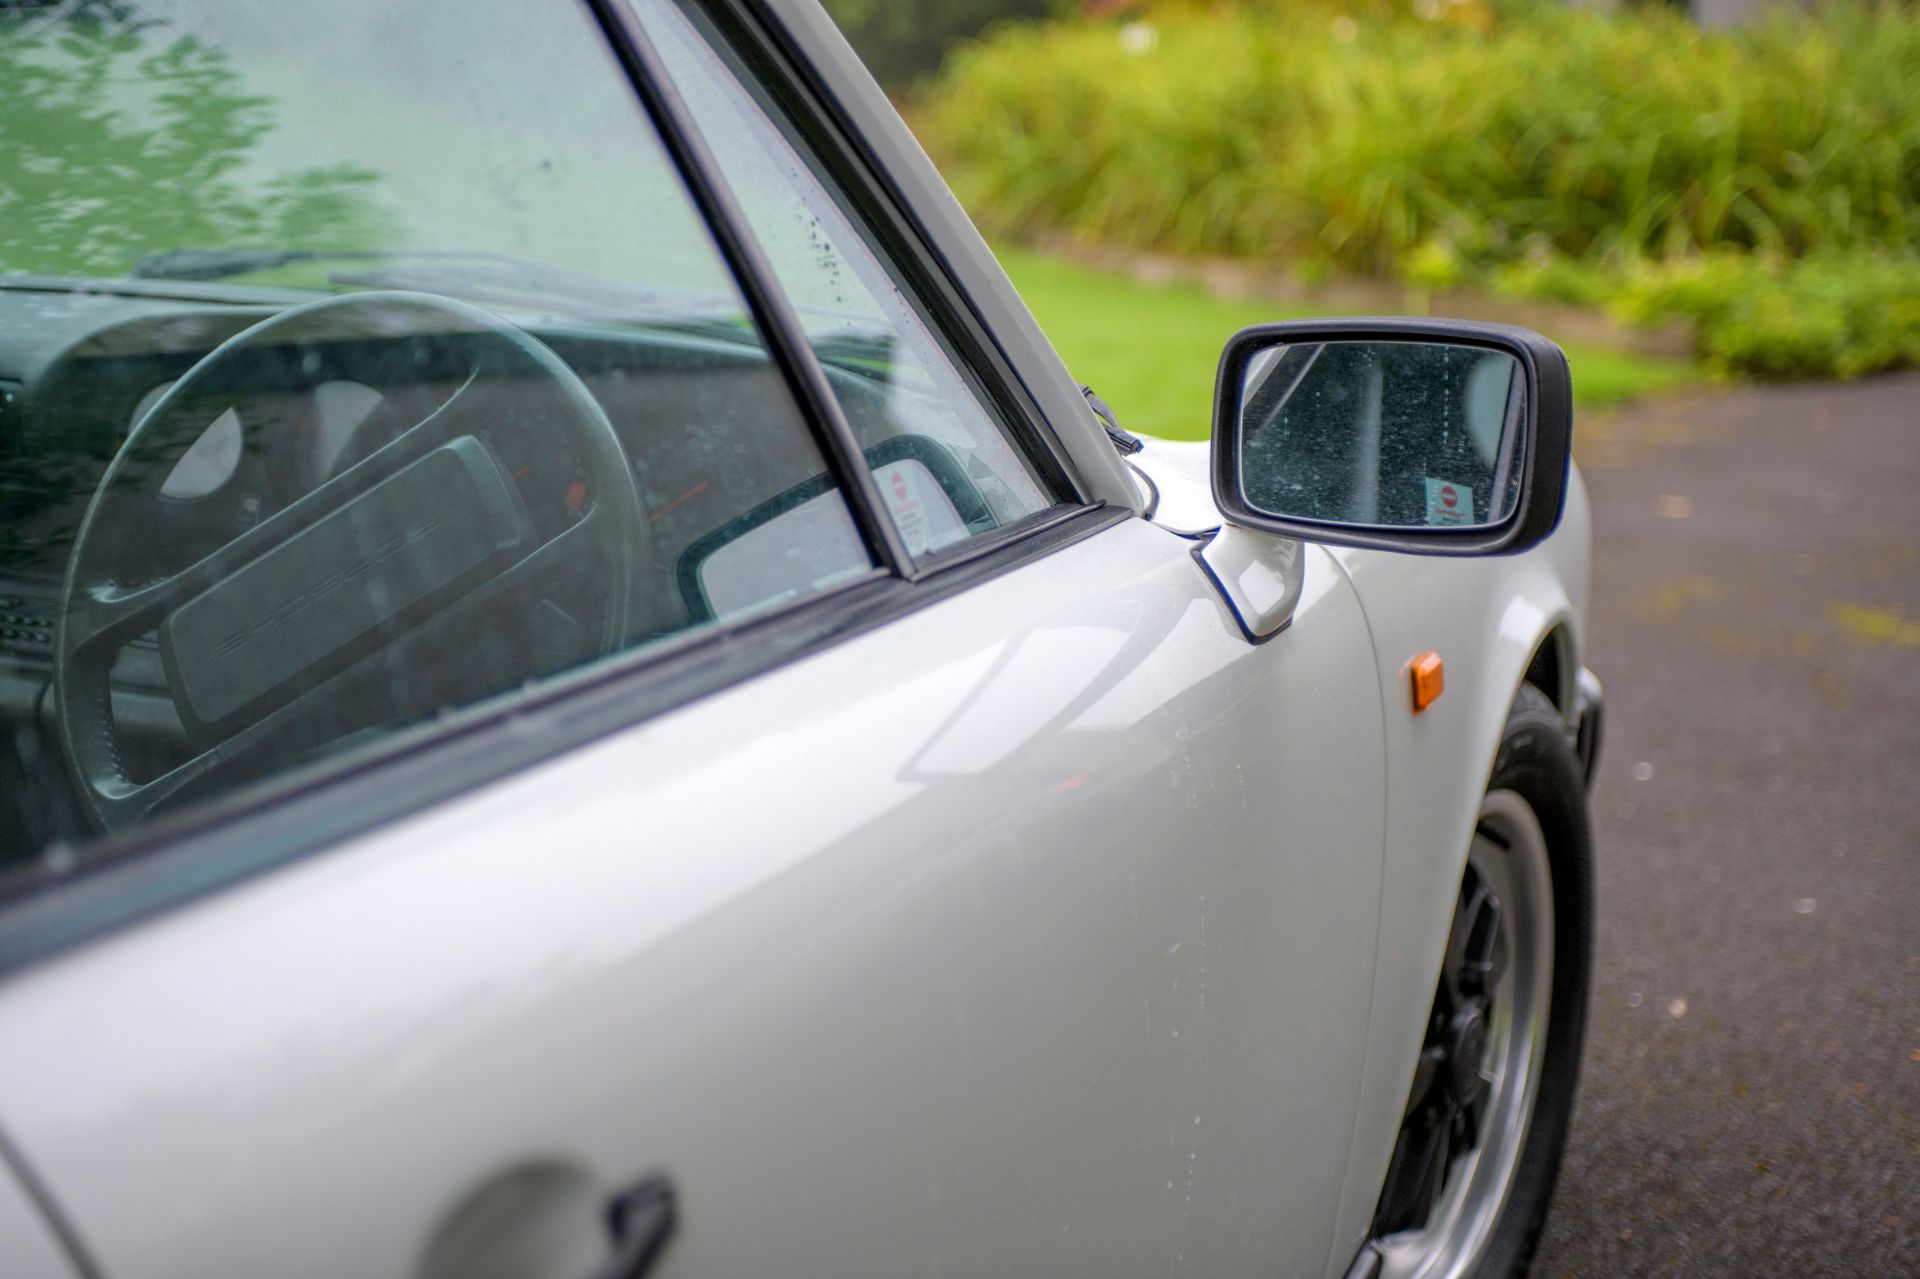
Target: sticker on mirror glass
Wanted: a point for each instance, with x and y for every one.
(810, 547)
(1448, 502)
(926, 516)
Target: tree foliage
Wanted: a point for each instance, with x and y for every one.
(120, 137)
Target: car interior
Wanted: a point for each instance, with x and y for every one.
(239, 536)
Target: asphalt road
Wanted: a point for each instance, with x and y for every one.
(1750, 1100)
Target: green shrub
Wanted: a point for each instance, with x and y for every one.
(1546, 149)
(1254, 130)
(1829, 314)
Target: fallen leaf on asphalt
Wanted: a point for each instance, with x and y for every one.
(1876, 626)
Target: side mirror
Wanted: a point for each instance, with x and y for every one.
(1437, 437)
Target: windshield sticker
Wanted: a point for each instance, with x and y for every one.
(1448, 503)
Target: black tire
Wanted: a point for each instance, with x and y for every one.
(1536, 769)
(1537, 761)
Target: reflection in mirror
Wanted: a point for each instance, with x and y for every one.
(1388, 434)
(812, 546)
(805, 540)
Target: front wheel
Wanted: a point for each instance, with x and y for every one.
(1473, 1170)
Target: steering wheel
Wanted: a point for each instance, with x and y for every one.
(265, 639)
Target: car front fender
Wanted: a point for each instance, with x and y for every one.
(1487, 618)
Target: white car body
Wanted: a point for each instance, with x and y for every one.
(1100, 921)
(1055, 928)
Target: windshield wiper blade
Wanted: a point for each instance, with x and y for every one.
(533, 288)
(218, 264)
(505, 281)
(494, 279)
(842, 338)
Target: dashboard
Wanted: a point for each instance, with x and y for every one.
(79, 370)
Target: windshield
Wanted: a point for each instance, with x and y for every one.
(136, 131)
(347, 146)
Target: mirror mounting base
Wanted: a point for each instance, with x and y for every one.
(1259, 577)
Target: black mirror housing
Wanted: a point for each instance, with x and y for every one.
(1432, 437)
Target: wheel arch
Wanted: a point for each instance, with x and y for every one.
(1552, 667)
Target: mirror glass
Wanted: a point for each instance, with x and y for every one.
(1385, 434)
(804, 547)
(797, 542)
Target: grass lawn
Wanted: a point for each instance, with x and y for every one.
(1150, 351)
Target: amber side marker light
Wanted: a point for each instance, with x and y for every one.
(1428, 675)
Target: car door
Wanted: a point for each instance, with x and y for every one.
(1008, 911)
(28, 1243)
(1029, 934)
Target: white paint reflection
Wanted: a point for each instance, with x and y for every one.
(1038, 677)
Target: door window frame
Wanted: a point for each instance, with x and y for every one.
(747, 37)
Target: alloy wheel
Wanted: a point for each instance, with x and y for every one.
(1478, 1075)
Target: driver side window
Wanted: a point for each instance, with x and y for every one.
(429, 389)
